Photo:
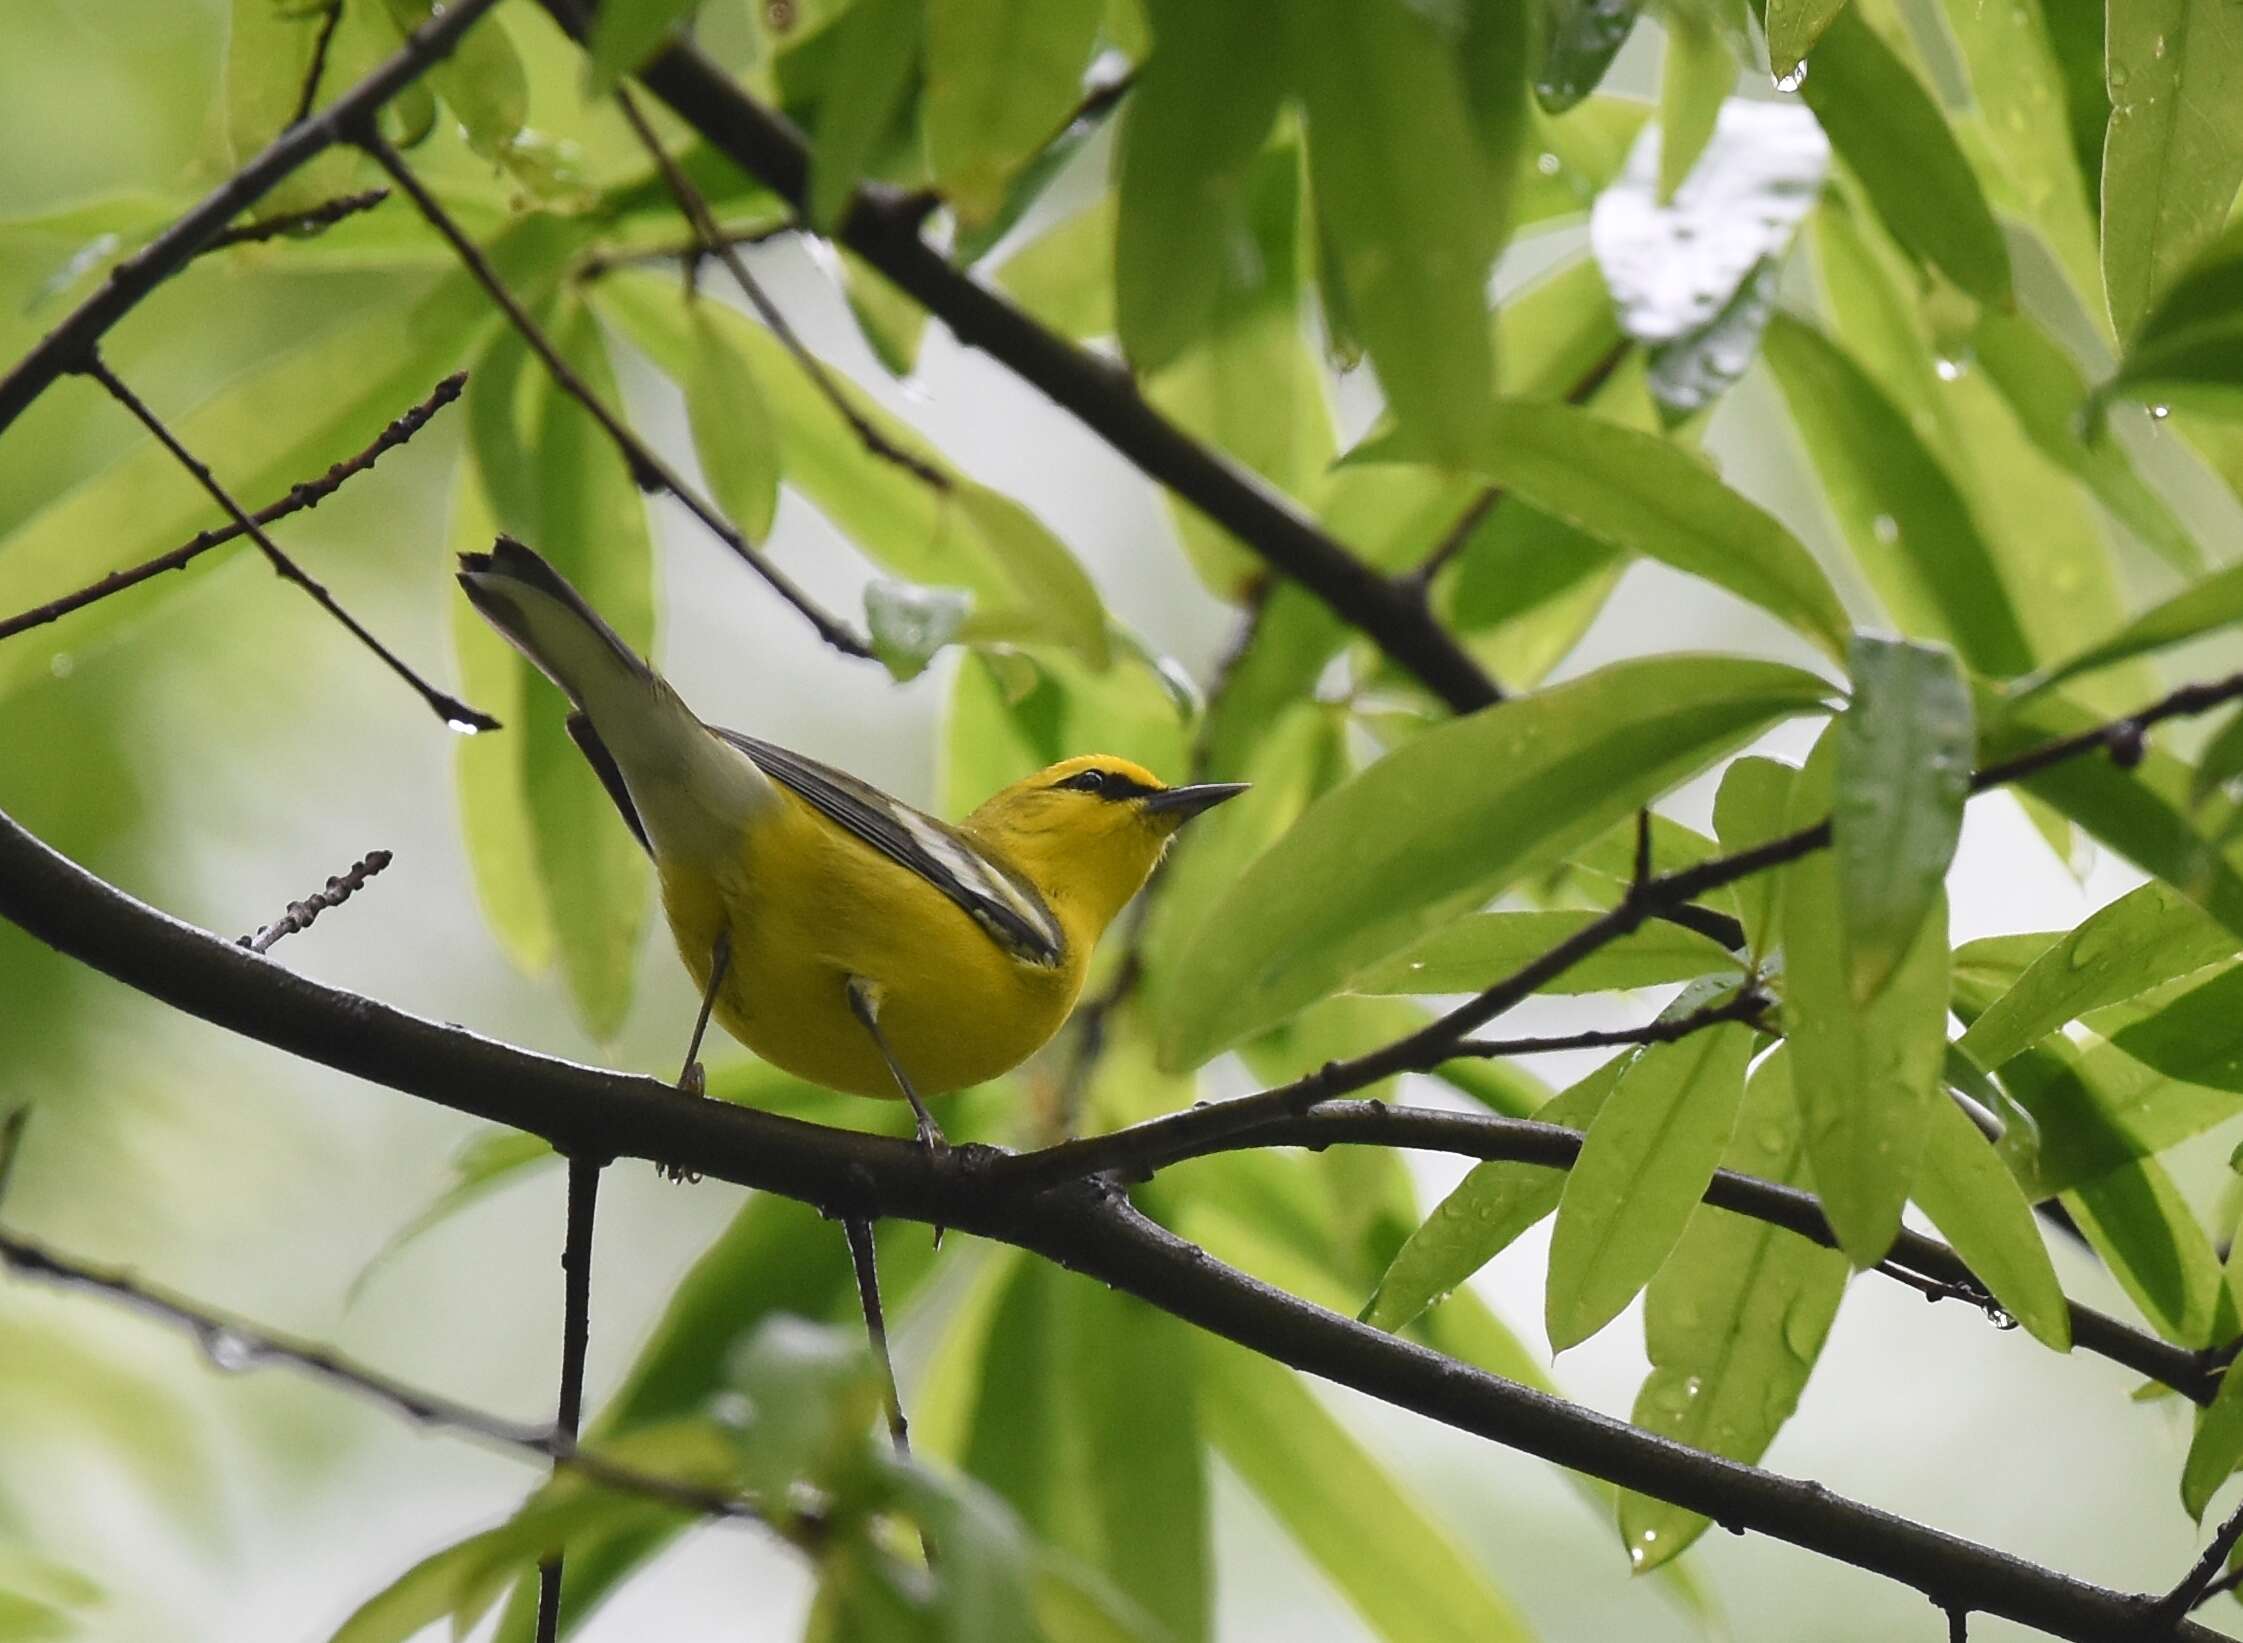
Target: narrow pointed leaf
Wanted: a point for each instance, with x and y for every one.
(1396, 1563)
(1749, 809)
(1862, 1070)
(2217, 1449)
(1733, 1322)
(2096, 1110)
(1977, 1206)
(1643, 494)
(1694, 81)
(1580, 42)
(1910, 529)
(733, 434)
(2207, 606)
(2148, 936)
(1495, 1202)
(1405, 192)
(1904, 749)
(2137, 1221)
(1452, 818)
(1001, 78)
(2173, 156)
(2191, 344)
(625, 36)
(876, 48)
(1888, 128)
(1643, 1167)
(1195, 120)
(1793, 28)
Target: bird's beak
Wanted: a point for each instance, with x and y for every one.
(1184, 803)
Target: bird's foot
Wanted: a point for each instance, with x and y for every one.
(694, 1082)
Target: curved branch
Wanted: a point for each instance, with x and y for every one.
(69, 344)
(882, 226)
(1084, 1224)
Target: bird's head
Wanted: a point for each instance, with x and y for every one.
(1088, 831)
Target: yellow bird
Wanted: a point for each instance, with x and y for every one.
(840, 934)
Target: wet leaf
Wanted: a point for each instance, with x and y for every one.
(1002, 76)
(1580, 40)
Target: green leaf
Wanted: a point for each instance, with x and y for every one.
(1695, 79)
(488, 1161)
(1482, 948)
(2173, 156)
(1863, 1069)
(890, 322)
(481, 79)
(2220, 762)
(1025, 584)
(1733, 1322)
(1398, 1565)
(1749, 809)
(268, 57)
(2204, 607)
(1643, 1167)
(1404, 190)
(1793, 28)
(2190, 348)
(1909, 528)
(1904, 748)
(2044, 388)
(1641, 493)
(1250, 385)
(2018, 81)
(2188, 1029)
(2139, 1224)
(1195, 121)
(625, 36)
(1975, 1202)
(1453, 818)
(1065, 277)
(909, 625)
(1890, 131)
(1061, 1430)
(1581, 40)
(2095, 1111)
(876, 49)
(1495, 1202)
(1002, 76)
(733, 434)
(2146, 937)
(2217, 1448)
(557, 483)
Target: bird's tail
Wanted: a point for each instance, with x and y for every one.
(672, 779)
(544, 618)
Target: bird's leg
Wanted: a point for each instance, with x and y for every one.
(691, 1079)
(864, 1003)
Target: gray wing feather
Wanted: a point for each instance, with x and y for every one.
(1010, 911)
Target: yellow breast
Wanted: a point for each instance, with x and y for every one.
(807, 907)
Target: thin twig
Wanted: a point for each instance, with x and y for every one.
(599, 264)
(714, 243)
(451, 710)
(576, 1336)
(2182, 1600)
(64, 348)
(311, 220)
(317, 71)
(233, 1345)
(2220, 1587)
(307, 495)
(865, 1259)
(300, 914)
(1746, 1006)
(648, 470)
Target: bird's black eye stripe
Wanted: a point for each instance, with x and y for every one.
(1107, 784)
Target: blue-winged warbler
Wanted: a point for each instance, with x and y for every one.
(838, 933)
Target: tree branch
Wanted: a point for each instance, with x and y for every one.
(648, 470)
(300, 914)
(576, 1337)
(311, 220)
(450, 709)
(882, 226)
(714, 243)
(1747, 1006)
(2183, 1599)
(233, 1345)
(1083, 1224)
(307, 495)
(69, 344)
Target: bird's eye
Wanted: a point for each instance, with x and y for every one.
(1086, 781)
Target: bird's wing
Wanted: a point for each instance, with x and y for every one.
(1012, 913)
